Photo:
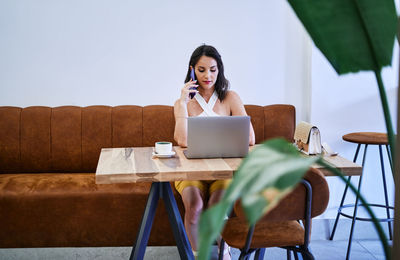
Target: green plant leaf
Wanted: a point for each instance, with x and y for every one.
(270, 171)
(267, 189)
(353, 35)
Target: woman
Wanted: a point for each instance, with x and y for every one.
(212, 98)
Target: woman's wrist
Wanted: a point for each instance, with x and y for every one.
(181, 114)
(182, 103)
(181, 109)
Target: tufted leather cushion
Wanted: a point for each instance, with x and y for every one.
(35, 148)
(60, 210)
(158, 124)
(256, 114)
(127, 130)
(68, 139)
(9, 139)
(279, 121)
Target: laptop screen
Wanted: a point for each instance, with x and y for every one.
(217, 137)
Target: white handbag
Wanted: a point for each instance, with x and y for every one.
(308, 138)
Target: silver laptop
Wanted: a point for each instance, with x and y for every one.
(217, 137)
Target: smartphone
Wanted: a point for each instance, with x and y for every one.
(192, 77)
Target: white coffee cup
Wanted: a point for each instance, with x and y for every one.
(163, 147)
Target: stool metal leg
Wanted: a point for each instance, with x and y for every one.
(221, 249)
(390, 157)
(385, 190)
(259, 255)
(341, 204)
(296, 257)
(344, 196)
(356, 205)
(288, 254)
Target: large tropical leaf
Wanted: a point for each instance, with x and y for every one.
(353, 35)
(270, 171)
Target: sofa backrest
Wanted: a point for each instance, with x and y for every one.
(69, 138)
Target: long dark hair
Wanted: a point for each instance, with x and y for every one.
(222, 84)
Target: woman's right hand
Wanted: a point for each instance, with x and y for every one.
(187, 89)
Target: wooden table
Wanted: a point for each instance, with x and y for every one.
(119, 165)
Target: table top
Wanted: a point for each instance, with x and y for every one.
(120, 165)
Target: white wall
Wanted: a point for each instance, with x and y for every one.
(137, 52)
(70, 52)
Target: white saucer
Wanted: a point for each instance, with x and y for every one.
(167, 155)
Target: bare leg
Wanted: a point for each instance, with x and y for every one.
(193, 201)
(214, 198)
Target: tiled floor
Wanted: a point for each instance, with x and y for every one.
(365, 246)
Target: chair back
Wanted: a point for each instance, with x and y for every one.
(293, 205)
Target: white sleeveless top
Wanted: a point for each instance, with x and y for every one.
(207, 107)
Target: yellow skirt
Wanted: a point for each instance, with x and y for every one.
(204, 186)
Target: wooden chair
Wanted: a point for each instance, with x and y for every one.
(281, 227)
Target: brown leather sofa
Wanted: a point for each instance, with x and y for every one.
(48, 157)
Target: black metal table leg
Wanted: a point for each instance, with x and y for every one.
(184, 248)
(139, 248)
(161, 190)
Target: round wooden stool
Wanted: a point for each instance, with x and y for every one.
(366, 138)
